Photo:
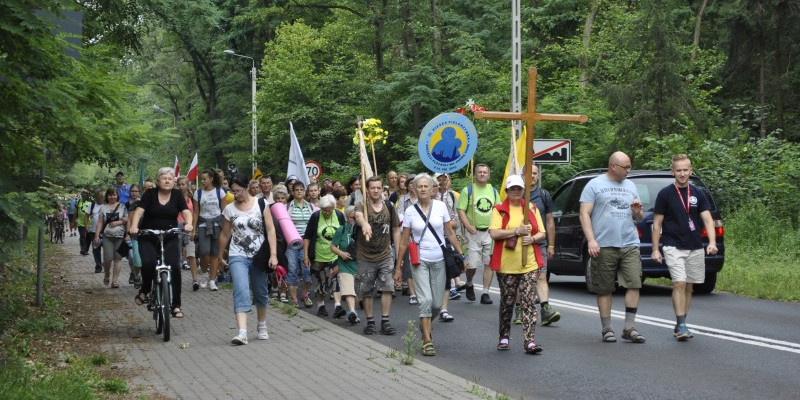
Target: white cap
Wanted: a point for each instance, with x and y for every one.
(438, 174)
(514, 180)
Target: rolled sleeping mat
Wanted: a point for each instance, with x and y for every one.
(293, 239)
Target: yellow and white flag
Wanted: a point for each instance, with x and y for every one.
(516, 159)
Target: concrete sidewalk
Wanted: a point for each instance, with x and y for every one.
(305, 357)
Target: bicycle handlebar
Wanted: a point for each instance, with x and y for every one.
(158, 232)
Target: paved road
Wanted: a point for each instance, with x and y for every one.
(743, 349)
(306, 357)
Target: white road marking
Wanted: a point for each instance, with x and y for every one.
(760, 341)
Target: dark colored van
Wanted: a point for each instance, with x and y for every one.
(571, 255)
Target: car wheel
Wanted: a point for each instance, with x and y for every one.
(707, 286)
(588, 273)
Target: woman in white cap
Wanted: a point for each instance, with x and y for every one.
(511, 237)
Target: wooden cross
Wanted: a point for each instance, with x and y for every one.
(530, 117)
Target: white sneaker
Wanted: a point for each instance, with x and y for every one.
(262, 333)
(203, 281)
(239, 339)
(212, 284)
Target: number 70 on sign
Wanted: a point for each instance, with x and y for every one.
(313, 169)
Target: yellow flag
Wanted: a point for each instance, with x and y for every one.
(256, 175)
(516, 159)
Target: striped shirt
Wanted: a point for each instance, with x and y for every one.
(300, 215)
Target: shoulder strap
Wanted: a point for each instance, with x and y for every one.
(219, 198)
(427, 224)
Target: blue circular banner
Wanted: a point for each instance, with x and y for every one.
(447, 143)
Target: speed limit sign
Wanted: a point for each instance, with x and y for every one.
(313, 169)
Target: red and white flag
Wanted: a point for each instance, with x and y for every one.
(192, 175)
(177, 167)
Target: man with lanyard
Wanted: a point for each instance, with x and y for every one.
(609, 204)
(475, 212)
(81, 208)
(544, 201)
(123, 190)
(90, 217)
(379, 228)
(677, 213)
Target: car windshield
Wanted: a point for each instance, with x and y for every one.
(649, 187)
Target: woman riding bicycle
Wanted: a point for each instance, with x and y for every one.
(159, 209)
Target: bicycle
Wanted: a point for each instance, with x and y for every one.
(161, 295)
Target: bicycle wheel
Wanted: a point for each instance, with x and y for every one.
(166, 304)
(155, 306)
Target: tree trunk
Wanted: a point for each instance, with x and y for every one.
(410, 49)
(378, 17)
(437, 35)
(587, 34)
(697, 21)
(779, 70)
(762, 60)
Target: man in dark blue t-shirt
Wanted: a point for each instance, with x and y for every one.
(677, 214)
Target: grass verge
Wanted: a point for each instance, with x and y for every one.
(29, 367)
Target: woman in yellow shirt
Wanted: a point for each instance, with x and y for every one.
(511, 237)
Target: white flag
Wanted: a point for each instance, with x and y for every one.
(297, 164)
(362, 152)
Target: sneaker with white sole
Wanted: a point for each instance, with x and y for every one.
(262, 333)
(413, 300)
(212, 284)
(239, 339)
(203, 281)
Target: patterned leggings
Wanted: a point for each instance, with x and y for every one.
(525, 285)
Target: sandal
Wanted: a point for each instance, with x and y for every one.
(532, 348)
(427, 349)
(633, 335)
(177, 313)
(503, 343)
(140, 299)
(608, 336)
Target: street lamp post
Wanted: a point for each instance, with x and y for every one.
(253, 90)
(174, 118)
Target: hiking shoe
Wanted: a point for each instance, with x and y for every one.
(445, 316)
(212, 284)
(185, 265)
(387, 328)
(273, 293)
(284, 300)
(262, 333)
(485, 299)
(130, 278)
(352, 318)
(308, 303)
(413, 300)
(195, 286)
(339, 312)
(681, 333)
(470, 292)
(454, 295)
(370, 328)
(239, 339)
(549, 316)
(322, 312)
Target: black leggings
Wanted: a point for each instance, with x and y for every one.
(148, 249)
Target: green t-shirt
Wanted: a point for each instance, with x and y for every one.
(326, 228)
(80, 209)
(342, 239)
(478, 205)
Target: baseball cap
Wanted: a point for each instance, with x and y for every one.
(514, 180)
(438, 174)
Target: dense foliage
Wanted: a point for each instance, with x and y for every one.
(715, 79)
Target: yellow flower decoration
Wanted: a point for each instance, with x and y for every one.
(373, 133)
